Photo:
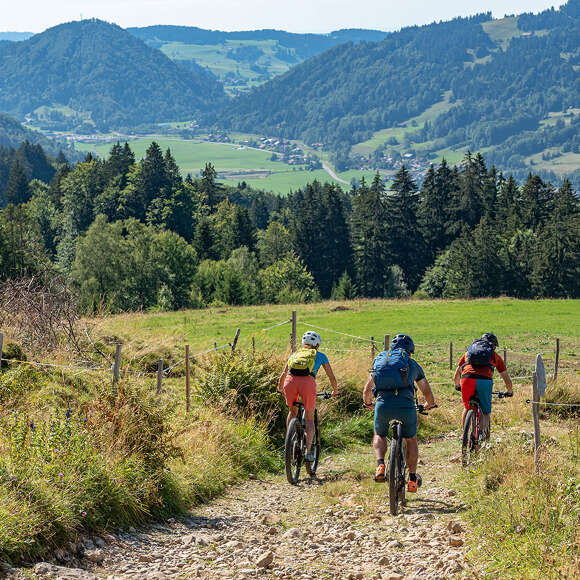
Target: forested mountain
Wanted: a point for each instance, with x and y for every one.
(13, 133)
(501, 82)
(15, 36)
(245, 58)
(97, 74)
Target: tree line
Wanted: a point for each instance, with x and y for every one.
(133, 235)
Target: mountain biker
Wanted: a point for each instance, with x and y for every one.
(395, 399)
(296, 382)
(477, 379)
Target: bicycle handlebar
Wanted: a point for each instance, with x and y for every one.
(324, 396)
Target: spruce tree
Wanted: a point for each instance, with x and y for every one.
(369, 241)
(407, 247)
(17, 189)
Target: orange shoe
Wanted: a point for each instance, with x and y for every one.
(380, 473)
(413, 486)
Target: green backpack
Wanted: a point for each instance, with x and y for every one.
(301, 363)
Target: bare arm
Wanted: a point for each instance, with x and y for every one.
(282, 378)
(508, 381)
(426, 391)
(457, 377)
(331, 378)
(368, 391)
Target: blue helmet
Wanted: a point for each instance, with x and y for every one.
(403, 341)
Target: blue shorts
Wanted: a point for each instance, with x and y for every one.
(480, 387)
(384, 414)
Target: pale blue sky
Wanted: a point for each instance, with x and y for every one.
(292, 15)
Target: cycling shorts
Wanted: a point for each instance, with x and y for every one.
(303, 387)
(384, 414)
(471, 386)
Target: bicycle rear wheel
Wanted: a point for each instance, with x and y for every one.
(394, 475)
(469, 439)
(311, 467)
(293, 451)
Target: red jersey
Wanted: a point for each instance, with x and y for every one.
(483, 371)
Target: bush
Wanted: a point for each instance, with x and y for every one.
(243, 383)
(12, 351)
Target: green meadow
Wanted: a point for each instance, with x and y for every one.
(233, 163)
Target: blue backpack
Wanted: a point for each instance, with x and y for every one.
(391, 370)
(479, 353)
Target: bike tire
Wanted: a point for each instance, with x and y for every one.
(403, 474)
(468, 441)
(394, 476)
(293, 451)
(311, 467)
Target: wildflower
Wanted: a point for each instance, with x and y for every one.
(32, 426)
(83, 514)
(68, 414)
(60, 475)
(57, 450)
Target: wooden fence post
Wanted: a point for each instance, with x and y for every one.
(236, 336)
(536, 417)
(451, 355)
(372, 348)
(215, 345)
(1, 347)
(187, 390)
(253, 344)
(293, 335)
(387, 342)
(116, 366)
(159, 375)
(557, 359)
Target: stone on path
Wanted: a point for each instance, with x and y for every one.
(265, 559)
(46, 570)
(455, 541)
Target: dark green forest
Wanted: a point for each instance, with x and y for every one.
(500, 93)
(102, 70)
(131, 235)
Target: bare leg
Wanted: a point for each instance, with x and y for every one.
(412, 453)
(463, 418)
(484, 424)
(380, 446)
(292, 412)
(309, 416)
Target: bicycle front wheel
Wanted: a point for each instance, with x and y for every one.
(394, 475)
(311, 467)
(293, 451)
(469, 439)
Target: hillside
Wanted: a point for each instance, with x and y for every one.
(93, 74)
(500, 85)
(13, 133)
(243, 59)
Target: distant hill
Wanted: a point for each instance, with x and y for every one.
(508, 87)
(243, 59)
(94, 74)
(13, 134)
(14, 36)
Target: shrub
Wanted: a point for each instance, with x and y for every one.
(242, 383)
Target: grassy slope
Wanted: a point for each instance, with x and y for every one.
(232, 163)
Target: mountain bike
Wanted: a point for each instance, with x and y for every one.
(473, 434)
(398, 466)
(295, 444)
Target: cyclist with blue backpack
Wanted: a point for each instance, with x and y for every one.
(392, 381)
(474, 375)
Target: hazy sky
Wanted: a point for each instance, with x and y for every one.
(292, 15)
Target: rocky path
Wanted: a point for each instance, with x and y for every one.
(337, 526)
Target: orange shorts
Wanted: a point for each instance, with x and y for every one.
(303, 387)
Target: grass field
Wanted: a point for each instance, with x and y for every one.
(526, 327)
(233, 163)
(501, 31)
(412, 125)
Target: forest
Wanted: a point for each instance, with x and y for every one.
(131, 235)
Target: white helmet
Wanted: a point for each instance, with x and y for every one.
(312, 338)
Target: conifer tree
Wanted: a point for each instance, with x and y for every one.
(369, 242)
(406, 244)
(17, 189)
